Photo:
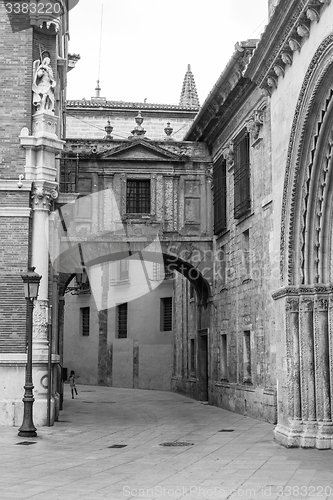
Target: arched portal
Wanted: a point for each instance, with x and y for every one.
(305, 372)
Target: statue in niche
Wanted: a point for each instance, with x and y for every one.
(43, 84)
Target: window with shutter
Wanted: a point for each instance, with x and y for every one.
(220, 195)
(242, 196)
(122, 321)
(166, 314)
(85, 321)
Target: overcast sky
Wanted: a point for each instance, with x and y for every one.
(147, 45)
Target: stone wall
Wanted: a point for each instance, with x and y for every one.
(90, 123)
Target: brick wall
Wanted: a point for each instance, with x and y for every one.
(15, 88)
(14, 251)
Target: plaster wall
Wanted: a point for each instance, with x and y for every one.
(81, 352)
(141, 360)
(82, 124)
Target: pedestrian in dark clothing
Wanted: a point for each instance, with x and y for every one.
(72, 383)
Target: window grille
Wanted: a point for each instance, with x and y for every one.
(122, 321)
(166, 314)
(242, 197)
(85, 321)
(69, 170)
(138, 196)
(220, 195)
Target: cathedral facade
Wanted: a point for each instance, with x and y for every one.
(231, 201)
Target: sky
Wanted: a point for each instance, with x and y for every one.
(140, 49)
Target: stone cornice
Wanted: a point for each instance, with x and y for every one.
(231, 77)
(284, 35)
(100, 149)
(15, 184)
(302, 290)
(15, 211)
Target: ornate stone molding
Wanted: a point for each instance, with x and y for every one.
(287, 243)
(46, 15)
(43, 197)
(44, 122)
(295, 291)
(288, 28)
(40, 317)
(228, 154)
(255, 123)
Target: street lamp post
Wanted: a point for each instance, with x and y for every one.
(31, 284)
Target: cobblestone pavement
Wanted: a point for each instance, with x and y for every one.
(80, 456)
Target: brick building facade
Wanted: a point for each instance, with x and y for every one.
(30, 140)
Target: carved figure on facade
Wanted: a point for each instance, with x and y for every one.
(254, 123)
(40, 320)
(43, 84)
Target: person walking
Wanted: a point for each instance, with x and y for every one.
(72, 383)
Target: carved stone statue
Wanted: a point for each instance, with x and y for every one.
(43, 84)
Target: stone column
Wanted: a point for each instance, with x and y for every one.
(41, 147)
(322, 363)
(42, 195)
(307, 371)
(305, 416)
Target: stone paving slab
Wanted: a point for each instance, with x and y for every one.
(73, 460)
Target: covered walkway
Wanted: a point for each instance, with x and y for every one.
(107, 444)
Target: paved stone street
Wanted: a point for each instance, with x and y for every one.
(76, 459)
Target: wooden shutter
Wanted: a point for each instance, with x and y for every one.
(122, 321)
(242, 196)
(220, 195)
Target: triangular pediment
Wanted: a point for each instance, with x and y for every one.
(140, 150)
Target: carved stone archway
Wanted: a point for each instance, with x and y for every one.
(304, 305)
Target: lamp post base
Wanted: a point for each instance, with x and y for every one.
(27, 428)
(27, 434)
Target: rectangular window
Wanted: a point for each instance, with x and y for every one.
(160, 272)
(247, 368)
(221, 266)
(246, 253)
(192, 357)
(242, 197)
(69, 171)
(223, 357)
(122, 320)
(85, 321)
(220, 195)
(138, 196)
(166, 314)
(119, 272)
(123, 269)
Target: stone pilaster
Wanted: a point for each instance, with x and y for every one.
(305, 418)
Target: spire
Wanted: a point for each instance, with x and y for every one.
(97, 96)
(189, 95)
(98, 90)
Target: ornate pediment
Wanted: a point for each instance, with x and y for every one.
(139, 150)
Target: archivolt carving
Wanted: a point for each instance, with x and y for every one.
(294, 163)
